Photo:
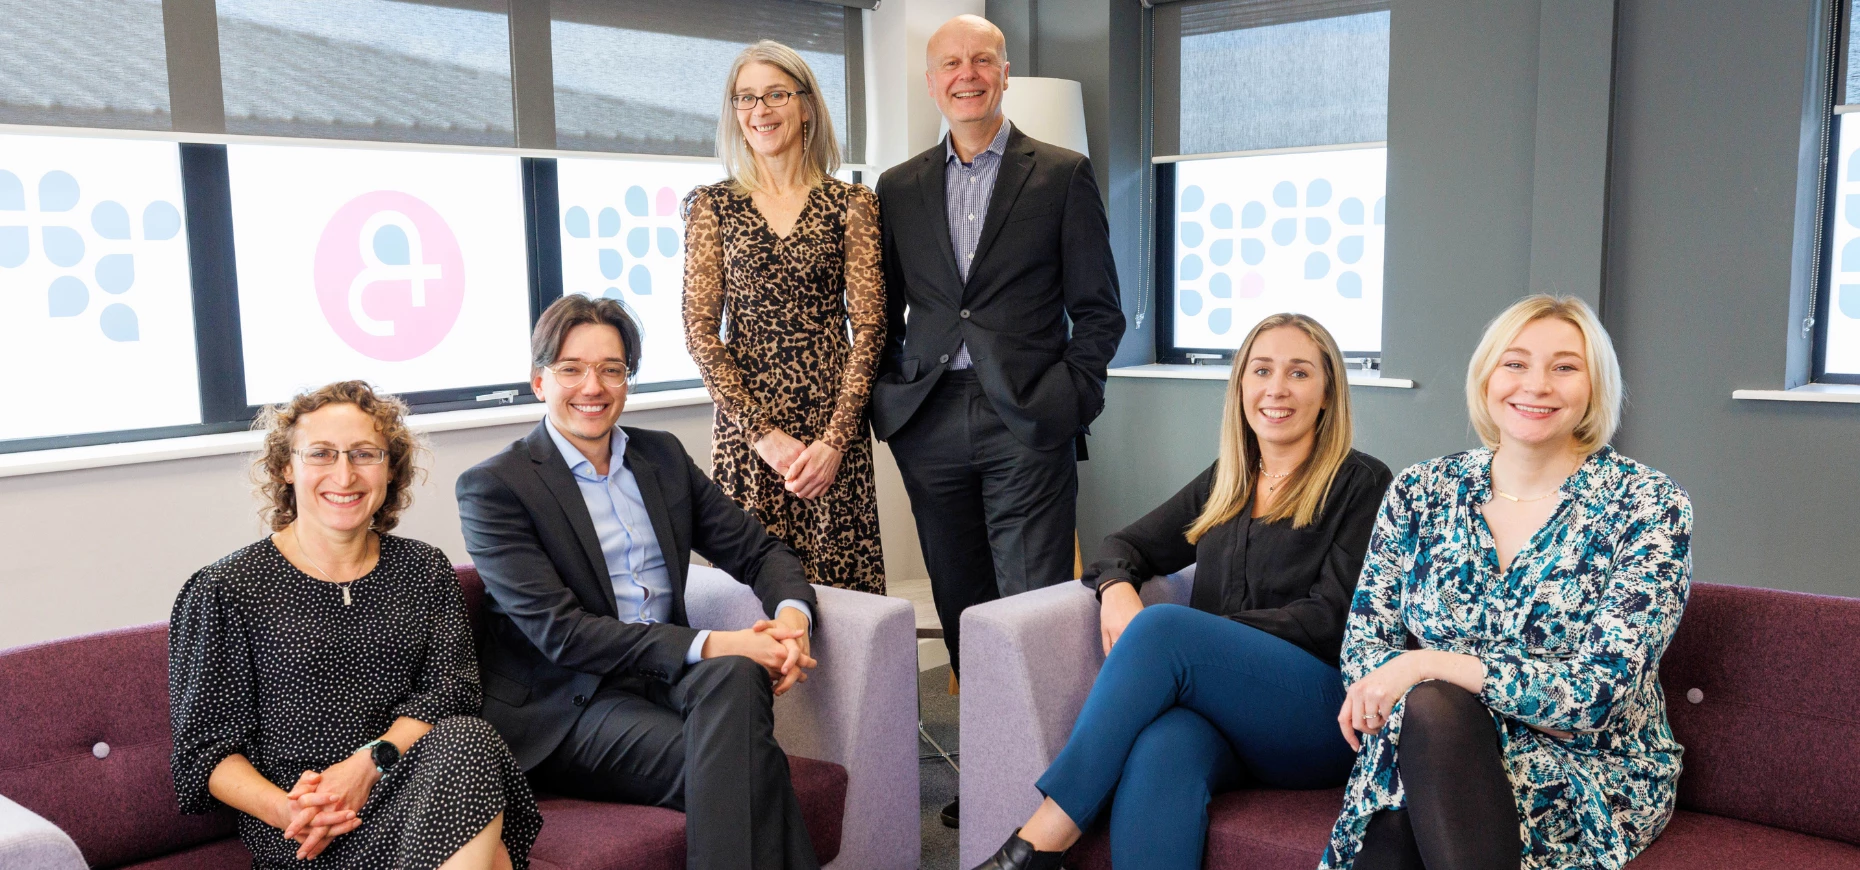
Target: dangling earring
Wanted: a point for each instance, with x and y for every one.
(807, 133)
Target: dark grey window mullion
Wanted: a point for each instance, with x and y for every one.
(855, 85)
(191, 30)
(532, 73)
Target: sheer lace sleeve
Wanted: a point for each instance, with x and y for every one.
(865, 304)
(703, 306)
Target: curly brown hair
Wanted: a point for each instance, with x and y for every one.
(279, 422)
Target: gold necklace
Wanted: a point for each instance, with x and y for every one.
(1273, 487)
(299, 541)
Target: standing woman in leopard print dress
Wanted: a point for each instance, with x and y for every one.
(779, 260)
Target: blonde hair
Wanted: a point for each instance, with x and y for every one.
(1236, 469)
(820, 148)
(1598, 423)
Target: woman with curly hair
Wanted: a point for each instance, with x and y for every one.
(322, 681)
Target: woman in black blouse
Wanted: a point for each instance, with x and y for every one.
(322, 681)
(1243, 685)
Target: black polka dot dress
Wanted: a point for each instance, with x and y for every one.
(270, 663)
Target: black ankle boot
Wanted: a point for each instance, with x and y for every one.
(1018, 854)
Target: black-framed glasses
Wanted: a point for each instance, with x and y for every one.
(773, 99)
(329, 455)
(572, 374)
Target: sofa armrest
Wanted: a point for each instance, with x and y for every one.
(1028, 662)
(858, 709)
(29, 842)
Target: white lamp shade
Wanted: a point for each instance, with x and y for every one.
(1050, 110)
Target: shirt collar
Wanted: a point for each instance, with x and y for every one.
(578, 464)
(997, 147)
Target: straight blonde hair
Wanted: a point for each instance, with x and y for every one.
(820, 148)
(1598, 423)
(1236, 469)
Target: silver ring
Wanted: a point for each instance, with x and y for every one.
(1372, 715)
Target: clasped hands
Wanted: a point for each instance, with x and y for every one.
(779, 645)
(807, 470)
(325, 805)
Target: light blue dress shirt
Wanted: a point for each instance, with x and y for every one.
(636, 566)
(967, 188)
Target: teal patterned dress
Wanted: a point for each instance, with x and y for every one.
(1571, 637)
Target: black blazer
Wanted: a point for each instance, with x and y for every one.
(1044, 256)
(551, 632)
(1293, 583)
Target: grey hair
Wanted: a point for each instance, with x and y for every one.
(820, 149)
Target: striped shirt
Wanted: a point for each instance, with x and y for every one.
(967, 187)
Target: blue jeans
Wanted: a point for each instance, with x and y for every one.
(1188, 705)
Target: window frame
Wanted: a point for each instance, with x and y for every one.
(196, 106)
(1824, 285)
(1163, 221)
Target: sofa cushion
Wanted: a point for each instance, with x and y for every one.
(588, 835)
(1693, 840)
(218, 855)
(68, 702)
(1257, 829)
(581, 835)
(1773, 733)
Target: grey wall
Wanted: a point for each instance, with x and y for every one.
(1703, 215)
(1702, 258)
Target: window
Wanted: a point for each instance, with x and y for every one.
(405, 269)
(623, 238)
(94, 258)
(213, 278)
(58, 66)
(647, 78)
(1837, 308)
(368, 69)
(1280, 109)
(1280, 232)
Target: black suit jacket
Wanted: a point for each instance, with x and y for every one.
(1044, 257)
(551, 633)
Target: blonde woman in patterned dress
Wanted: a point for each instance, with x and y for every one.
(779, 260)
(1504, 643)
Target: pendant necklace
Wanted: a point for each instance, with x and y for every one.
(346, 601)
(1277, 478)
(1515, 499)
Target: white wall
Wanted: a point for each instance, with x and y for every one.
(101, 548)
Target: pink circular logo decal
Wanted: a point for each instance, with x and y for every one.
(389, 275)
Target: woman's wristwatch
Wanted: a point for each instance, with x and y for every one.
(382, 753)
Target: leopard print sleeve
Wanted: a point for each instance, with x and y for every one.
(865, 304)
(703, 308)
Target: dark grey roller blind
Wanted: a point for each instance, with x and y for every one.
(368, 69)
(86, 63)
(647, 78)
(1257, 74)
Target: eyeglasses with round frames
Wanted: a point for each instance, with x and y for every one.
(773, 99)
(329, 455)
(571, 374)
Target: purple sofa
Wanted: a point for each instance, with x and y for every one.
(85, 740)
(1761, 688)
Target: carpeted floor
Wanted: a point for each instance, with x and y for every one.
(938, 782)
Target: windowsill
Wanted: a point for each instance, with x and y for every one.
(193, 446)
(1836, 393)
(1219, 373)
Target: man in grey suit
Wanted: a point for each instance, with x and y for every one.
(1003, 308)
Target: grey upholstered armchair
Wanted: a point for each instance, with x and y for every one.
(1028, 662)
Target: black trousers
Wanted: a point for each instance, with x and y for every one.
(994, 516)
(704, 745)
